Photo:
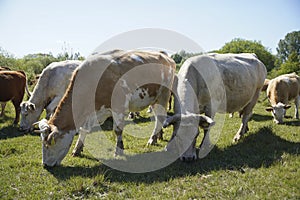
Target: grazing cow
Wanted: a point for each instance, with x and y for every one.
(3, 104)
(47, 93)
(280, 91)
(12, 87)
(264, 88)
(105, 85)
(213, 83)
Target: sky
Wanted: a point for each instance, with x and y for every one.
(35, 26)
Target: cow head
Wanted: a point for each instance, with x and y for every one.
(29, 115)
(278, 112)
(186, 134)
(55, 143)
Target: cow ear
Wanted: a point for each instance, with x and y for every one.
(287, 106)
(51, 139)
(205, 122)
(269, 109)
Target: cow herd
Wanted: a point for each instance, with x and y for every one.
(78, 95)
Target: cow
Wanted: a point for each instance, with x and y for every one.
(105, 85)
(12, 87)
(3, 104)
(208, 84)
(47, 93)
(263, 89)
(280, 91)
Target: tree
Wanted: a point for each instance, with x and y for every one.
(291, 65)
(7, 59)
(68, 54)
(288, 55)
(288, 45)
(247, 46)
(177, 58)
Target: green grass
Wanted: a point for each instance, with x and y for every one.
(262, 165)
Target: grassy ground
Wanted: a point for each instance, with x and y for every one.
(263, 165)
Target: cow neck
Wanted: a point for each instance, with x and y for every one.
(63, 116)
(40, 103)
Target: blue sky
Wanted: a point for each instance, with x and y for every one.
(34, 26)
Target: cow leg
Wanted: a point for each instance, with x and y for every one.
(2, 109)
(206, 145)
(80, 143)
(243, 128)
(89, 124)
(160, 115)
(297, 101)
(51, 107)
(170, 103)
(17, 111)
(118, 129)
(246, 115)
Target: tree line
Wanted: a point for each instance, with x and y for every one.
(286, 60)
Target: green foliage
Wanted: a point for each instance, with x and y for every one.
(288, 45)
(291, 65)
(288, 57)
(247, 46)
(7, 59)
(33, 64)
(181, 57)
(68, 56)
(177, 58)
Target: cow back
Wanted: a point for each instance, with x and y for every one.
(12, 85)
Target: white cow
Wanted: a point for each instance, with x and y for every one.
(280, 91)
(47, 93)
(108, 85)
(213, 83)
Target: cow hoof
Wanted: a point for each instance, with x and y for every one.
(236, 138)
(119, 152)
(188, 158)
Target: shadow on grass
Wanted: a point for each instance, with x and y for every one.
(10, 132)
(260, 149)
(292, 123)
(13, 131)
(6, 119)
(260, 118)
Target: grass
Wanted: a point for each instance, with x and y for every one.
(262, 165)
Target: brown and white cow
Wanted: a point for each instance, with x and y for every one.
(12, 87)
(280, 91)
(107, 85)
(209, 84)
(48, 91)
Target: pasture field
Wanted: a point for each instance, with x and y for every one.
(264, 164)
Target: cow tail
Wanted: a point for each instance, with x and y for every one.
(26, 86)
(27, 90)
